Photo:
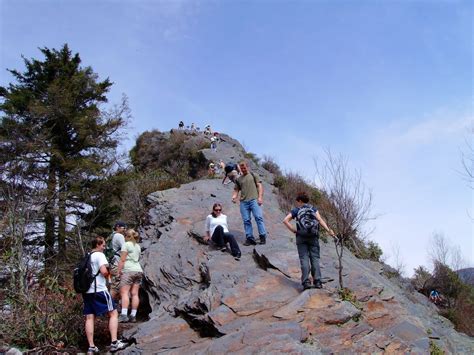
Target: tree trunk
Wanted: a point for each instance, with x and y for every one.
(49, 217)
(62, 216)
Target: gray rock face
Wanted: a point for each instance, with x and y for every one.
(205, 302)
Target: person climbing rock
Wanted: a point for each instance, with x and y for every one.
(308, 221)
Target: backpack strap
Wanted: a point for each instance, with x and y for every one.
(254, 179)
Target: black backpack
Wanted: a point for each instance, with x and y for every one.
(83, 277)
(308, 225)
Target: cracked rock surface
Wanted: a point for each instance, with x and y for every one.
(206, 302)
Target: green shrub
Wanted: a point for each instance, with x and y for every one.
(253, 157)
(50, 314)
(269, 164)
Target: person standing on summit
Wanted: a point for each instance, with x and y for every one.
(251, 198)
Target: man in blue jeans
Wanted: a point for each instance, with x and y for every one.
(307, 238)
(250, 188)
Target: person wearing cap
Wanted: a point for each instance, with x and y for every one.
(118, 240)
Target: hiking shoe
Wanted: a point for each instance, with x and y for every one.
(318, 284)
(262, 241)
(237, 256)
(93, 350)
(249, 241)
(123, 318)
(132, 319)
(307, 286)
(118, 345)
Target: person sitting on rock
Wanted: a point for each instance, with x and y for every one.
(212, 169)
(308, 221)
(218, 231)
(181, 125)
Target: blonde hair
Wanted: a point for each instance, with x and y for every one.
(132, 236)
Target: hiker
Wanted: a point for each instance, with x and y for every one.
(131, 274)
(214, 143)
(251, 198)
(308, 221)
(98, 301)
(207, 130)
(218, 231)
(435, 297)
(193, 127)
(231, 171)
(118, 240)
(212, 169)
(181, 125)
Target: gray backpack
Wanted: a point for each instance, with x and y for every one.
(308, 225)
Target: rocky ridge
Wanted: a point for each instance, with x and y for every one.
(205, 302)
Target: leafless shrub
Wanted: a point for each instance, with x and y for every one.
(348, 203)
(269, 164)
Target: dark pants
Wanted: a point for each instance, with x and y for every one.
(308, 251)
(220, 238)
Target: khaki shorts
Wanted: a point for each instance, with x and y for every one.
(131, 278)
(114, 285)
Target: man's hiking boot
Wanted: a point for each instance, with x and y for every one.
(123, 318)
(318, 284)
(132, 319)
(249, 241)
(263, 240)
(118, 345)
(93, 350)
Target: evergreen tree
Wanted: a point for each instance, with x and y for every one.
(54, 131)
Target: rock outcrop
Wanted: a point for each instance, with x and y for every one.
(204, 301)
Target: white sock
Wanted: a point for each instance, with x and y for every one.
(124, 311)
(134, 313)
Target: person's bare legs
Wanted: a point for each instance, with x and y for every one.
(113, 324)
(89, 328)
(134, 294)
(124, 295)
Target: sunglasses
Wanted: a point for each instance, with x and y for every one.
(217, 210)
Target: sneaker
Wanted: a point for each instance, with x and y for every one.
(132, 319)
(93, 350)
(237, 256)
(318, 284)
(223, 249)
(249, 241)
(307, 286)
(118, 345)
(123, 318)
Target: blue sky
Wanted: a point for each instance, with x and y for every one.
(388, 84)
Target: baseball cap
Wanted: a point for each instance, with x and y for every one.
(120, 224)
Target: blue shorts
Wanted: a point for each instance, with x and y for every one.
(98, 303)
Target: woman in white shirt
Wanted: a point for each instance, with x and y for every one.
(218, 231)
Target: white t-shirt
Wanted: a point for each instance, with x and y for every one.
(212, 222)
(97, 260)
(118, 240)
